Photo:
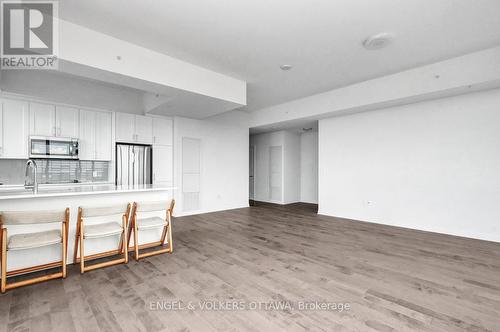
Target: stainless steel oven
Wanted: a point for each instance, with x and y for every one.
(53, 148)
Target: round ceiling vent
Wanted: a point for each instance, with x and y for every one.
(378, 41)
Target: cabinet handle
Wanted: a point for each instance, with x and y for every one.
(54, 131)
(154, 139)
(58, 131)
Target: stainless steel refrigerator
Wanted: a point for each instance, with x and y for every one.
(133, 164)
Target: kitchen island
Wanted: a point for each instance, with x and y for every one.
(60, 197)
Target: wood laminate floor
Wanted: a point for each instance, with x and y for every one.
(393, 279)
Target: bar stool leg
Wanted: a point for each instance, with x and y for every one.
(63, 249)
(82, 254)
(125, 237)
(4, 260)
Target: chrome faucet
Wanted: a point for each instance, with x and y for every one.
(31, 168)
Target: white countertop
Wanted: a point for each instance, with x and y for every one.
(57, 190)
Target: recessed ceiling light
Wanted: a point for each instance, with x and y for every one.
(378, 41)
(286, 67)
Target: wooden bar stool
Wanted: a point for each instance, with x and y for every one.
(101, 222)
(32, 241)
(152, 215)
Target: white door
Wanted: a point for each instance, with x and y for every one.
(125, 127)
(103, 139)
(86, 149)
(67, 122)
(42, 119)
(162, 131)
(144, 129)
(15, 129)
(162, 165)
(191, 179)
(275, 174)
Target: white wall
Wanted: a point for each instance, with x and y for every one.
(309, 167)
(432, 166)
(224, 160)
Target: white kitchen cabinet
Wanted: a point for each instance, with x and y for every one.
(54, 121)
(67, 122)
(143, 129)
(86, 148)
(125, 127)
(162, 164)
(42, 119)
(103, 136)
(95, 135)
(162, 131)
(14, 129)
(132, 128)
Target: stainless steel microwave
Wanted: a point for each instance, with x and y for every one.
(53, 147)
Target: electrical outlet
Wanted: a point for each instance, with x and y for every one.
(369, 203)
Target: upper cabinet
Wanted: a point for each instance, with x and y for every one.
(143, 129)
(14, 129)
(125, 127)
(162, 131)
(49, 120)
(42, 119)
(103, 136)
(67, 121)
(95, 135)
(132, 128)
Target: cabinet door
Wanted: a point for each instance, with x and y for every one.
(42, 119)
(144, 129)
(162, 165)
(15, 116)
(86, 149)
(162, 131)
(103, 136)
(67, 122)
(125, 127)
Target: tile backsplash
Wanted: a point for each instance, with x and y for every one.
(55, 171)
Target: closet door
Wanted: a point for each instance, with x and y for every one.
(191, 182)
(276, 174)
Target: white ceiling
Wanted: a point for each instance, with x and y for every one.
(250, 39)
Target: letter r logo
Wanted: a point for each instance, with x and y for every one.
(27, 27)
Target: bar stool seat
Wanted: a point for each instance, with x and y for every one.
(153, 222)
(102, 230)
(34, 240)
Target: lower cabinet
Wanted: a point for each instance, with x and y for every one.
(163, 164)
(95, 135)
